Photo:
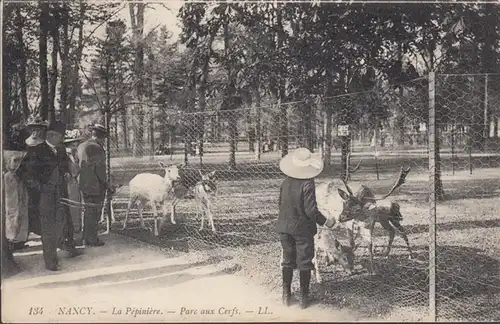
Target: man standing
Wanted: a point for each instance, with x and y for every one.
(47, 163)
(92, 181)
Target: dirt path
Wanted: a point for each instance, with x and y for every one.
(125, 280)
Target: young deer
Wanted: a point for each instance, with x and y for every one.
(190, 186)
(203, 191)
(330, 251)
(365, 209)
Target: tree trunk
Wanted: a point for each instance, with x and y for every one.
(117, 142)
(65, 68)
(328, 137)
(439, 183)
(258, 130)
(137, 21)
(495, 127)
(124, 109)
(6, 101)
(152, 133)
(283, 138)
(22, 64)
(42, 59)
(233, 137)
(308, 130)
(54, 33)
(250, 131)
(345, 148)
(202, 94)
(74, 78)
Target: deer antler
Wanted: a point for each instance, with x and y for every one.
(401, 180)
(347, 187)
(348, 171)
(349, 162)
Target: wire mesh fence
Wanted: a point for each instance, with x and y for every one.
(467, 248)
(381, 130)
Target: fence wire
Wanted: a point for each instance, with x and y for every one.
(388, 128)
(467, 244)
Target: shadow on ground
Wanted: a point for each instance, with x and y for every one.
(234, 232)
(164, 276)
(467, 285)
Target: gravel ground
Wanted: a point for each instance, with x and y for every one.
(467, 253)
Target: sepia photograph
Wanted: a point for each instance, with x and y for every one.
(250, 161)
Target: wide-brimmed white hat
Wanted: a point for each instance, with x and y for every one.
(300, 164)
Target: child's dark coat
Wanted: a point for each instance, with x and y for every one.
(297, 222)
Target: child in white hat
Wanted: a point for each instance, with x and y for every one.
(298, 219)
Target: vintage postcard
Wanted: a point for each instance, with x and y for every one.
(250, 161)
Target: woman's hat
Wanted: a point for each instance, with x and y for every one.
(300, 164)
(72, 136)
(37, 121)
(99, 127)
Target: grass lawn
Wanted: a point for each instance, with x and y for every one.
(468, 240)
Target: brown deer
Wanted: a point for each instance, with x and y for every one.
(367, 209)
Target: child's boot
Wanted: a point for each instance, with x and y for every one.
(287, 286)
(305, 279)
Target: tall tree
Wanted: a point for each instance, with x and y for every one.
(136, 10)
(44, 79)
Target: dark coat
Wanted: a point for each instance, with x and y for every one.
(36, 169)
(92, 177)
(298, 213)
(39, 163)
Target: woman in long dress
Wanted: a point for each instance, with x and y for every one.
(71, 141)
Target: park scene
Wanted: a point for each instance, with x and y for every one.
(222, 91)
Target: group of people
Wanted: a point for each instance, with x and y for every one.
(62, 173)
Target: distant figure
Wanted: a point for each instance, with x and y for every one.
(298, 216)
(92, 181)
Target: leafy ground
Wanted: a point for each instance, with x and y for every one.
(467, 243)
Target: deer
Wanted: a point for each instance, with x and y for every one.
(152, 188)
(203, 191)
(192, 183)
(331, 251)
(368, 209)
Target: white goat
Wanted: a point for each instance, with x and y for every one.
(331, 204)
(326, 246)
(152, 188)
(203, 190)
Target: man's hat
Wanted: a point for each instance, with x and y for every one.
(72, 136)
(57, 126)
(37, 121)
(99, 128)
(300, 164)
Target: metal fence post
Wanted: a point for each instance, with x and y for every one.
(432, 197)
